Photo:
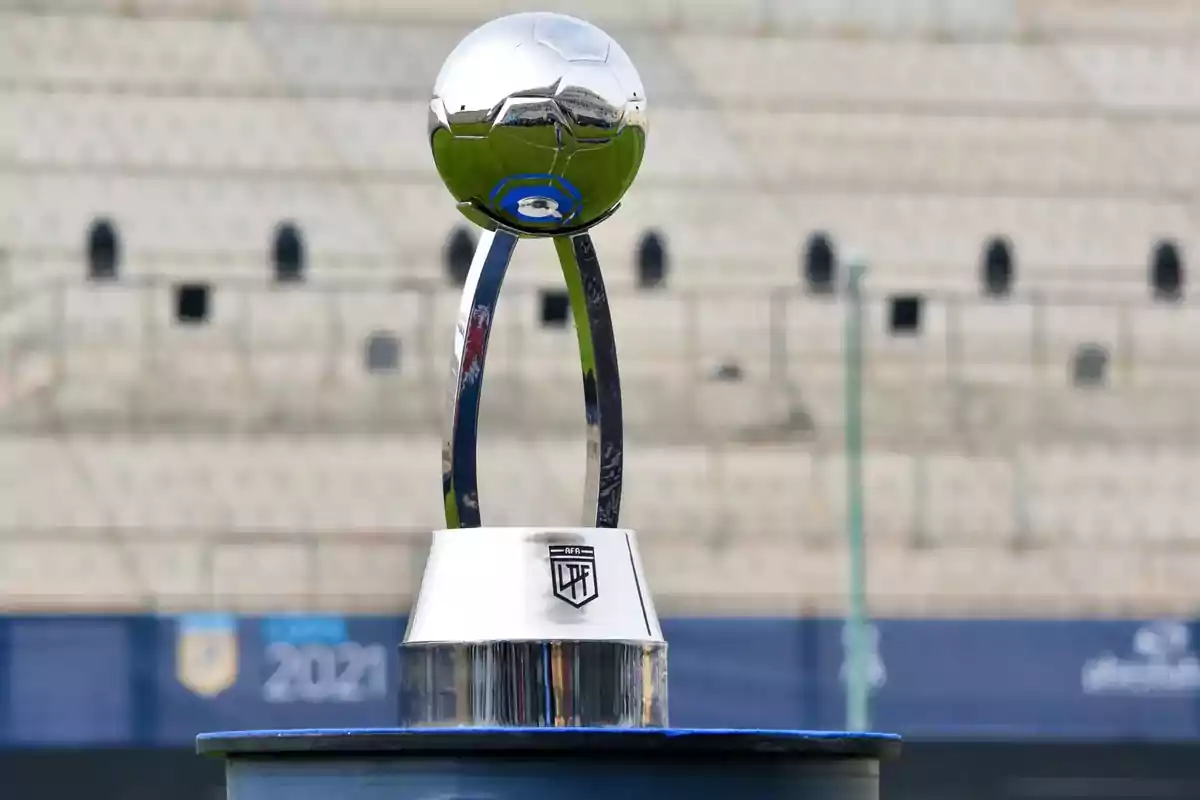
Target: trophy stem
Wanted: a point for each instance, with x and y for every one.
(598, 365)
(601, 379)
(476, 311)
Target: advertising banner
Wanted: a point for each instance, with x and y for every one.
(158, 681)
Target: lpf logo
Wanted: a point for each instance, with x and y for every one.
(573, 574)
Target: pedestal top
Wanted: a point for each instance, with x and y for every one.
(578, 742)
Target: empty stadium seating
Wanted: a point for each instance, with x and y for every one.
(197, 135)
(252, 462)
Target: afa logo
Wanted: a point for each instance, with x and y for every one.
(573, 574)
(206, 653)
(537, 200)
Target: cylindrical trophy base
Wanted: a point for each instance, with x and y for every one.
(533, 628)
(534, 685)
(518, 764)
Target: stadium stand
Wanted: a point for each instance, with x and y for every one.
(251, 461)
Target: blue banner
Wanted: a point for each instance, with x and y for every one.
(158, 681)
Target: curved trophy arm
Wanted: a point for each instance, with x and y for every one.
(460, 480)
(601, 379)
(598, 360)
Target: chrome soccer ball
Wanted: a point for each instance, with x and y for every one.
(538, 124)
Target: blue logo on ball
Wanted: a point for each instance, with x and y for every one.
(537, 199)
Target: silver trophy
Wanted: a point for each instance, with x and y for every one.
(537, 127)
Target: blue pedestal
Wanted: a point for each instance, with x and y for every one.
(550, 764)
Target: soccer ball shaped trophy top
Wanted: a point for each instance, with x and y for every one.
(537, 126)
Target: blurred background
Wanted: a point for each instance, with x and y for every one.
(901, 299)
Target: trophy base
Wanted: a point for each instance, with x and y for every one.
(533, 627)
(534, 684)
(581, 764)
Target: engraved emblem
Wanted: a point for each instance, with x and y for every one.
(573, 574)
(538, 207)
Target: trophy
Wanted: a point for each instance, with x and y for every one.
(533, 664)
(537, 125)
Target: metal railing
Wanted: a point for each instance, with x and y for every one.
(1121, 19)
(995, 17)
(248, 571)
(775, 355)
(126, 570)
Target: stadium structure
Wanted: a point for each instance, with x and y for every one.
(180, 429)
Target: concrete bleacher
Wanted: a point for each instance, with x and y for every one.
(285, 522)
(197, 135)
(293, 478)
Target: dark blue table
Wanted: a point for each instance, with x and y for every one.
(551, 763)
